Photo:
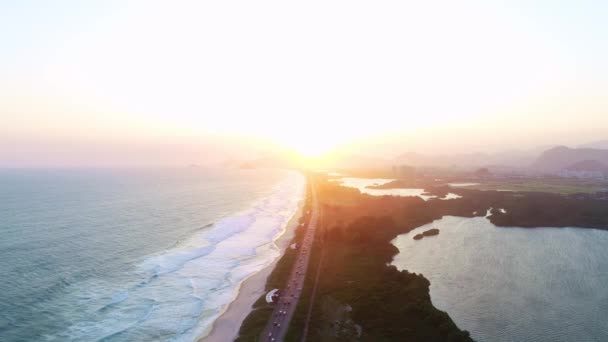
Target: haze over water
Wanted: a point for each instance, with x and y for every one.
(125, 255)
(514, 284)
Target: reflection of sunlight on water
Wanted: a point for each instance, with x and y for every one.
(462, 184)
(451, 196)
(362, 185)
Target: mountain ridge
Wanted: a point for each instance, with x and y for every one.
(561, 157)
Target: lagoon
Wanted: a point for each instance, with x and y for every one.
(514, 284)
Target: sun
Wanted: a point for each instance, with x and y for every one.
(310, 143)
(311, 147)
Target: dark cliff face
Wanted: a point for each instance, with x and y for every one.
(562, 157)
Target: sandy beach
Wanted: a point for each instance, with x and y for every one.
(227, 325)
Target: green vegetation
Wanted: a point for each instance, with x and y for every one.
(389, 305)
(386, 304)
(360, 297)
(526, 209)
(557, 185)
(552, 185)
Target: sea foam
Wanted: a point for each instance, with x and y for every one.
(180, 292)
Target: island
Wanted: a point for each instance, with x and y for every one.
(430, 232)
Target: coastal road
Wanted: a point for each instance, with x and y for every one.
(285, 307)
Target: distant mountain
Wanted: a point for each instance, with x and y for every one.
(588, 165)
(602, 145)
(443, 160)
(507, 159)
(562, 157)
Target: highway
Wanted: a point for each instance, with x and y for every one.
(278, 324)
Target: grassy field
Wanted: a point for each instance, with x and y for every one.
(552, 185)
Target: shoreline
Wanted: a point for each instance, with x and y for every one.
(251, 289)
(548, 255)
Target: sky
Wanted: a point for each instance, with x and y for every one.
(137, 83)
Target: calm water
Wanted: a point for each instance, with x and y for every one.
(362, 185)
(108, 255)
(514, 284)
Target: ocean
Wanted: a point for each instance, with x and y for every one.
(514, 284)
(133, 255)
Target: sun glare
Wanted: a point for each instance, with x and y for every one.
(311, 147)
(310, 141)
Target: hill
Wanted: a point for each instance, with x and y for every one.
(464, 161)
(562, 157)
